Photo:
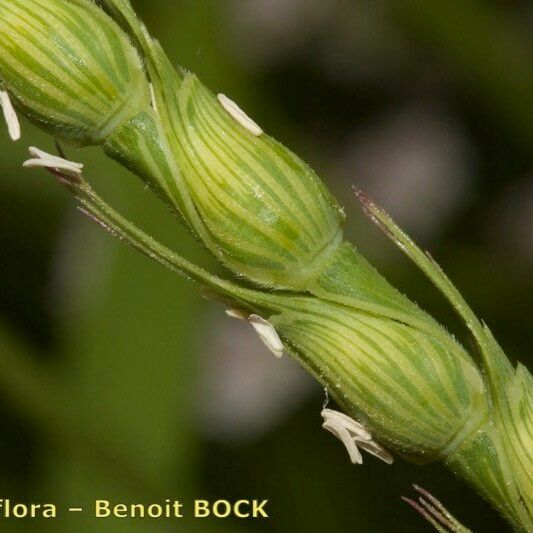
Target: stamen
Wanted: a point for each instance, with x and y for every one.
(350, 424)
(239, 314)
(239, 115)
(10, 116)
(46, 160)
(267, 334)
(344, 436)
(353, 434)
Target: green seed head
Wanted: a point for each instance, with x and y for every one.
(421, 395)
(263, 211)
(69, 68)
(258, 207)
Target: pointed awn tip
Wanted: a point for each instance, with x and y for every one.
(434, 512)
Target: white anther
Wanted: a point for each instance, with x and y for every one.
(237, 313)
(46, 160)
(152, 97)
(239, 115)
(10, 116)
(353, 434)
(267, 334)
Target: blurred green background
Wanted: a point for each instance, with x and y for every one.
(118, 381)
